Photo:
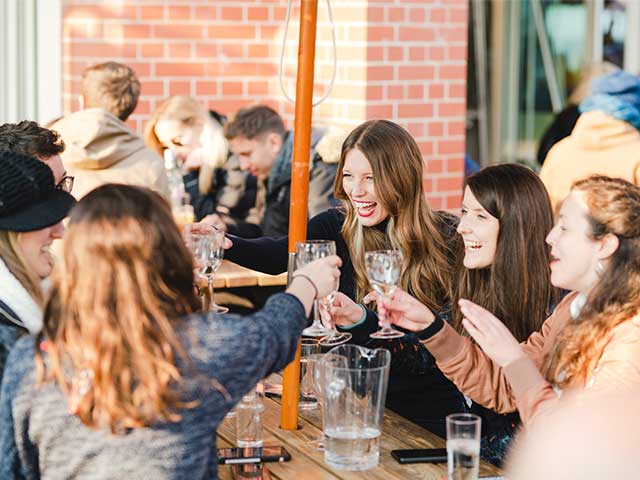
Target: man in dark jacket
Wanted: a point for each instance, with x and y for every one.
(258, 138)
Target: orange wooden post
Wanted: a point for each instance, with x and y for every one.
(300, 183)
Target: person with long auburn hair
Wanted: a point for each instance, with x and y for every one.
(380, 183)
(591, 342)
(126, 378)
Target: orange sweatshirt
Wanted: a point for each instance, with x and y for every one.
(598, 144)
(521, 385)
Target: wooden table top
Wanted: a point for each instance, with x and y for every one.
(233, 275)
(307, 463)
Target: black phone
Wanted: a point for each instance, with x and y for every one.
(420, 455)
(229, 456)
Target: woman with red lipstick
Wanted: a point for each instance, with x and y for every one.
(591, 341)
(505, 216)
(379, 181)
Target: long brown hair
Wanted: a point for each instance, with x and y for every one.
(124, 282)
(517, 286)
(613, 209)
(396, 163)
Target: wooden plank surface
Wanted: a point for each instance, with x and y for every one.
(232, 275)
(308, 462)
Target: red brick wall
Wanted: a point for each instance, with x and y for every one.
(397, 59)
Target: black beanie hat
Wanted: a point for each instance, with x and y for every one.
(29, 199)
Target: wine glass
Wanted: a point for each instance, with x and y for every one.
(334, 337)
(208, 252)
(384, 268)
(308, 348)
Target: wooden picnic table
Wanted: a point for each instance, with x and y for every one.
(232, 275)
(307, 463)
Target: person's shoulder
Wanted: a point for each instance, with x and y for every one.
(20, 362)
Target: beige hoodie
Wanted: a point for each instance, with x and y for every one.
(598, 144)
(101, 149)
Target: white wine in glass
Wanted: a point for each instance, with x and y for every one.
(384, 268)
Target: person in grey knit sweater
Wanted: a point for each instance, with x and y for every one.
(127, 380)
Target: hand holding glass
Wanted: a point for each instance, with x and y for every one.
(307, 252)
(384, 268)
(208, 253)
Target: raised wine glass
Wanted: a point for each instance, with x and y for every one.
(384, 268)
(208, 252)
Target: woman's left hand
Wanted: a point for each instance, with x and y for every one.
(490, 333)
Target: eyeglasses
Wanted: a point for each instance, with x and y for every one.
(66, 184)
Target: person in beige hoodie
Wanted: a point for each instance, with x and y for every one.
(100, 147)
(591, 342)
(605, 139)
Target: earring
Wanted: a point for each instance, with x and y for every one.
(599, 268)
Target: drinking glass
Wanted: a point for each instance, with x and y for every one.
(354, 394)
(182, 210)
(307, 252)
(308, 348)
(316, 371)
(463, 446)
(208, 252)
(384, 268)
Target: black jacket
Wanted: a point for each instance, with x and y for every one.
(277, 190)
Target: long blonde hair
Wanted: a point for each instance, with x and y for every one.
(413, 228)
(14, 260)
(123, 285)
(613, 209)
(189, 111)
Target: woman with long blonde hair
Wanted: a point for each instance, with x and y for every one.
(591, 342)
(195, 136)
(380, 182)
(31, 213)
(126, 378)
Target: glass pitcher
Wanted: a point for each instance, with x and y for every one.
(354, 394)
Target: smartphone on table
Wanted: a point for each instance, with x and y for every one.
(420, 455)
(236, 455)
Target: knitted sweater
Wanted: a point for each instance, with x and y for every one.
(40, 439)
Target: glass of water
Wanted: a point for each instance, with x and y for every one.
(353, 395)
(384, 268)
(307, 399)
(463, 446)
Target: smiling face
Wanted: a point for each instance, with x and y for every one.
(179, 136)
(34, 247)
(574, 254)
(358, 184)
(479, 230)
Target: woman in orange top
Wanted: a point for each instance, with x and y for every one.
(591, 341)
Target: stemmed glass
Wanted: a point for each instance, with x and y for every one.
(307, 252)
(208, 252)
(384, 268)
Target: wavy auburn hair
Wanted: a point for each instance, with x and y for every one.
(413, 228)
(517, 286)
(124, 282)
(613, 208)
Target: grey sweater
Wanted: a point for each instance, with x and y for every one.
(39, 439)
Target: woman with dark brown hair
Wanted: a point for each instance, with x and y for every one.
(380, 183)
(591, 342)
(126, 378)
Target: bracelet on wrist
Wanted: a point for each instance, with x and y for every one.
(302, 275)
